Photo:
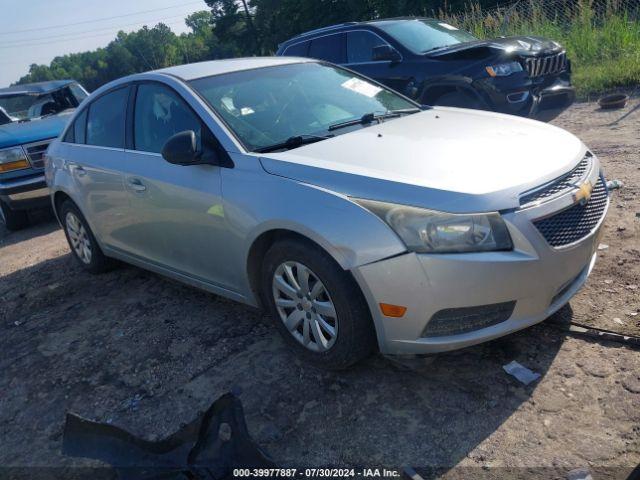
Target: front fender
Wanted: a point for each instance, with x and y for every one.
(442, 83)
(256, 202)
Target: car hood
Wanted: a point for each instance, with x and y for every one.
(18, 133)
(526, 46)
(447, 159)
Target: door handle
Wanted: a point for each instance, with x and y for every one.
(136, 185)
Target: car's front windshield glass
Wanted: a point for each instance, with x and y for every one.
(421, 35)
(26, 106)
(267, 106)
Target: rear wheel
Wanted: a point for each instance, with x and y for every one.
(316, 306)
(13, 219)
(84, 247)
(458, 99)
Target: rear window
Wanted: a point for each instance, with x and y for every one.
(105, 126)
(330, 48)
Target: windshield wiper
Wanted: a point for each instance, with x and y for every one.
(293, 142)
(433, 49)
(368, 118)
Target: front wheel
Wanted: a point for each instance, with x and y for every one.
(458, 99)
(316, 306)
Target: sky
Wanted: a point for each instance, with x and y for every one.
(36, 31)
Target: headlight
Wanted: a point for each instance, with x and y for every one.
(428, 231)
(504, 69)
(13, 159)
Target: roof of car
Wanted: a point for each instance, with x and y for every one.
(192, 71)
(35, 88)
(396, 20)
(347, 25)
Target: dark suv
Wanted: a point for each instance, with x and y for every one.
(438, 64)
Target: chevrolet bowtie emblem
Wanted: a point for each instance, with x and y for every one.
(583, 194)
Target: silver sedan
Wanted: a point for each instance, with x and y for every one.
(359, 219)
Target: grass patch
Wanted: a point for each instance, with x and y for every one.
(602, 38)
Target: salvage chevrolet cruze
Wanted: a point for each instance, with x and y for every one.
(357, 217)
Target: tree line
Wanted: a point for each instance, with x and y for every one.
(229, 28)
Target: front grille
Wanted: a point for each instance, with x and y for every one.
(547, 65)
(576, 222)
(454, 321)
(559, 185)
(35, 151)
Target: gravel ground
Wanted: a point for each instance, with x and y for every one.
(145, 353)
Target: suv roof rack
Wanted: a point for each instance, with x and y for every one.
(324, 29)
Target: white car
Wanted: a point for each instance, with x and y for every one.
(358, 218)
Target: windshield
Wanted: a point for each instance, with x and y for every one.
(26, 106)
(268, 106)
(422, 35)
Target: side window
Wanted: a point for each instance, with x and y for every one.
(297, 50)
(69, 137)
(360, 46)
(330, 48)
(80, 127)
(76, 131)
(105, 125)
(159, 114)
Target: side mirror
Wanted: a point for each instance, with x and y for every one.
(181, 149)
(385, 52)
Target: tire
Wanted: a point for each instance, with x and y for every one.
(83, 244)
(13, 219)
(458, 99)
(330, 289)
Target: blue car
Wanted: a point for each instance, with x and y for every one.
(31, 116)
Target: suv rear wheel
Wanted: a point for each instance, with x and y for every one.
(13, 219)
(316, 306)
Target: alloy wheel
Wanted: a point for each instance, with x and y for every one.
(79, 237)
(305, 306)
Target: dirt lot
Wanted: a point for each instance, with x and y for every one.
(148, 354)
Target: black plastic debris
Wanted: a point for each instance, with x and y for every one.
(210, 447)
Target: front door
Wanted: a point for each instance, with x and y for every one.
(360, 45)
(176, 218)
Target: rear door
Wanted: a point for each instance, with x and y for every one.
(330, 48)
(176, 219)
(94, 155)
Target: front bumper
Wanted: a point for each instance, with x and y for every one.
(25, 192)
(539, 278)
(552, 101)
(541, 98)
